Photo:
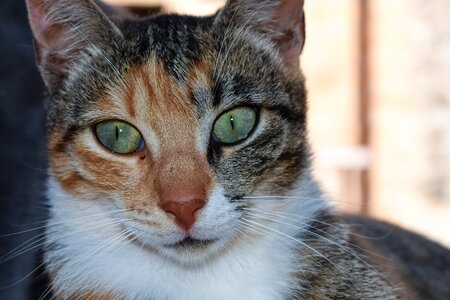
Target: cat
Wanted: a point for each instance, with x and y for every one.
(179, 160)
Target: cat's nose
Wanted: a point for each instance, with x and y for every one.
(183, 207)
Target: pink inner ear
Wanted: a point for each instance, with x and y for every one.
(289, 12)
(38, 22)
(289, 21)
(41, 31)
(45, 33)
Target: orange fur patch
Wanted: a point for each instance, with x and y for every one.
(163, 112)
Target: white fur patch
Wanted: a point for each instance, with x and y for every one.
(93, 257)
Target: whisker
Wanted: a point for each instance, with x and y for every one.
(23, 245)
(264, 232)
(275, 198)
(328, 224)
(34, 168)
(280, 197)
(285, 235)
(46, 292)
(23, 278)
(301, 243)
(51, 241)
(136, 240)
(43, 240)
(303, 229)
(285, 215)
(47, 224)
(117, 239)
(103, 247)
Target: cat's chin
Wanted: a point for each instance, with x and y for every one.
(191, 243)
(193, 252)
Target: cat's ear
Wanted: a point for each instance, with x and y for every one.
(282, 21)
(63, 30)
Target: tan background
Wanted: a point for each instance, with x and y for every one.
(408, 155)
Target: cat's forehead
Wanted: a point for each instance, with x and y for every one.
(181, 61)
(176, 41)
(179, 42)
(154, 100)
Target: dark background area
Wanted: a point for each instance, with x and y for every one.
(22, 154)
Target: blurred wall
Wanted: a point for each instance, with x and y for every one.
(409, 108)
(411, 114)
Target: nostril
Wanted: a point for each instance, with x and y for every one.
(183, 211)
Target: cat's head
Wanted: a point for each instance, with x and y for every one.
(176, 122)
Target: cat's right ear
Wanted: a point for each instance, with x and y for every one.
(63, 30)
(281, 21)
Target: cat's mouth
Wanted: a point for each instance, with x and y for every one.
(191, 243)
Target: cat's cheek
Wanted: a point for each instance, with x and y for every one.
(85, 170)
(249, 166)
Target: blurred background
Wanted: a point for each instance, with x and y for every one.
(378, 74)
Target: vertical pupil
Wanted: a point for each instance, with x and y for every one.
(117, 133)
(232, 122)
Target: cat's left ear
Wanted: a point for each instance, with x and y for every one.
(282, 21)
(63, 31)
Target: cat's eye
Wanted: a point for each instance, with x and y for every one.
(119, 137)
(235, 125)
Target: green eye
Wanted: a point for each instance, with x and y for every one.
(235, 125)
(119, 137)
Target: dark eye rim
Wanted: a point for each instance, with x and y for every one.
(257, 111)
(142, 142)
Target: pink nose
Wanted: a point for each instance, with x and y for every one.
(184, 209)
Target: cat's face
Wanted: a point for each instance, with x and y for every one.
(175, 122)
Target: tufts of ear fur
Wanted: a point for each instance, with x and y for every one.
(63, 29)
(282, 21)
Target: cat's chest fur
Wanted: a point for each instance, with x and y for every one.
(239, 275)
(91, 258)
